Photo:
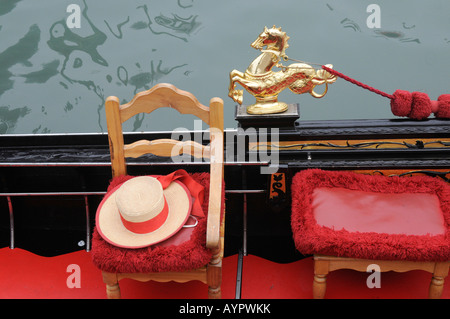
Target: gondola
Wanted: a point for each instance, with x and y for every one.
(52, 185)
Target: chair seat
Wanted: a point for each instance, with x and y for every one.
(353, 215)
(184, 251)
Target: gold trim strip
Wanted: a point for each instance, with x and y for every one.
(411, 143)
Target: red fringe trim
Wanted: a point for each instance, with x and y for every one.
(311, 238)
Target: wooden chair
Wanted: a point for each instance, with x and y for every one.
(167, 95)
(350, 221)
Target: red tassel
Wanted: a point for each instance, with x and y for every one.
(401, 103)
(421, 106)
(418, 106)
(415, 105)
(443, 110)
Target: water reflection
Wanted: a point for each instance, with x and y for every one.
(7, 6)
(176, 23)
(64, 41)
(55, 79)
(395, 35)
(19, 53)
(86, 67)
(41, 76)
(9, 117)
(119, 28)
(348, 23)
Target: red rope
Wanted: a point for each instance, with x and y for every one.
(364, 86)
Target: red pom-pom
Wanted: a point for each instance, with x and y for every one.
(421, 106)
(401, 103)
(444, 106)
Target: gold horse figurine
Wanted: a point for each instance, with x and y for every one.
(265, 84)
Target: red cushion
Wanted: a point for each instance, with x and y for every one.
(374, 217)
(186, 250)
(353, 210)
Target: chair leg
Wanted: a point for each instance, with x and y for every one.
(214, 276)
(112, 285)
(214, 293)
(319, 286)
(437, 281)
(320, 278)
(436, 287)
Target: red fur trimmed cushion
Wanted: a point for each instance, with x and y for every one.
(402, 239)
(191, 253)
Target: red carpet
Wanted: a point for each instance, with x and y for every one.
(24, 275)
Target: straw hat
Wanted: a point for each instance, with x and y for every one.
(140, 213)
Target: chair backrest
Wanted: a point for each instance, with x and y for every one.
(163, 95)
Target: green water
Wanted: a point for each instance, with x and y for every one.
(55, 79)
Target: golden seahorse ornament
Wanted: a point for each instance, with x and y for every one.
(265, 84)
